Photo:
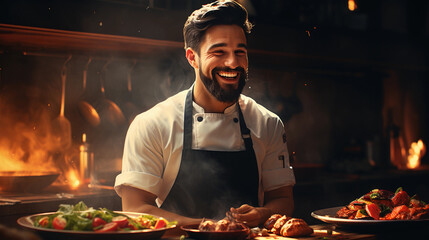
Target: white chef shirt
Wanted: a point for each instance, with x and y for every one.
(153, 145)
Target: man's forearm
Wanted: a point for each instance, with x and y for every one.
(284, 206)
(154, 210)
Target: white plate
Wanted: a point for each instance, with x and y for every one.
(48, 233)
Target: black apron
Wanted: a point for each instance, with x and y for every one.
(210, 182)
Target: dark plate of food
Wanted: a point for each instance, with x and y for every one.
(378, 209)
(328, 215)
(222, 229)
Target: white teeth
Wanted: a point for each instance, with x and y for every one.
(228, 74)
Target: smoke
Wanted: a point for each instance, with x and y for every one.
(215, 198)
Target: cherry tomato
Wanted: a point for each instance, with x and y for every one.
(59, 222)
(97, 222)
(160, 223)
(373, 210)
(122, 221)
(44, 221)
(108, 227)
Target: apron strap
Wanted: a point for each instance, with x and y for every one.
(188, 120)
(245, 132)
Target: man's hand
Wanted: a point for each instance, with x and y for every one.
(278, 201)
(251, 216)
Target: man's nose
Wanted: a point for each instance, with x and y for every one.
(232, 61)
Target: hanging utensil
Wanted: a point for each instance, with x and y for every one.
(61, 127)
(108, 110)
(86, 109)
(129, 107)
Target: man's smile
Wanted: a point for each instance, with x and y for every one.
(230, 76)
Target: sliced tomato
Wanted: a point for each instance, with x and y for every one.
(160, 223)
(109, 227)
(59, 222)
(44, 221)
(122, 221)
(398, 210)
(400, 198)
(96, 222)
(373, 210)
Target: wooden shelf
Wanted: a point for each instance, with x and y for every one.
(41, 40)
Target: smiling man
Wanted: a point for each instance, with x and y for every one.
(210, 149)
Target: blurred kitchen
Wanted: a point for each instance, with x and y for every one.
(349, 78)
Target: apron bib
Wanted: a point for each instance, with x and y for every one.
(210, 182)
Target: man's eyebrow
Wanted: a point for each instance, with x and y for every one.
(241, 45)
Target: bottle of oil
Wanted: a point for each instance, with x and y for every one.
(86, 164)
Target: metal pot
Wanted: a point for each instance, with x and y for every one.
(108, 110)
(26, 181)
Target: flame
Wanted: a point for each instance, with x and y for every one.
(26, 140)
(352, 5)
(415, 153)
(73, 179)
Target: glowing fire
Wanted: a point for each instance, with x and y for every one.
(352, 5)
(416, 152)
(27, 143)
(73, 178)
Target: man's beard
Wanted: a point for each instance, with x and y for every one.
(230, 94)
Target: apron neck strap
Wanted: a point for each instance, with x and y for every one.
(188, 120)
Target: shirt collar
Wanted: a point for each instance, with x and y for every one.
(228, 110)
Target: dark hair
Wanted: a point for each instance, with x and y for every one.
(225, 12)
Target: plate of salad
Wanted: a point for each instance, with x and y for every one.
(82, 222)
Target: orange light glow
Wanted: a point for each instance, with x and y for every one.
(352, 5)
(73, 179)
(415, 153)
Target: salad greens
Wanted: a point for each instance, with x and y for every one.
(80, 217)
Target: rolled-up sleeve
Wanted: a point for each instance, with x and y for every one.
(276, 169)
(142, 163)
(138, 180)
(276, 178)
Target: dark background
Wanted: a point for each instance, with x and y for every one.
(339, 80)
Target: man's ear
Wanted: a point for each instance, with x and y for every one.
(192, 56)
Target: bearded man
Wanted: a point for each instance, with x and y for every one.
(209, 150)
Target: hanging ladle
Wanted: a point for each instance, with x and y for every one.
(130, 109)
(85, 108)
(61, 127)
(108, 110)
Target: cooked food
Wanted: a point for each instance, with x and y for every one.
(207, 225)
(279, 224)
(223, 225)
(295, 227)
(269, 224)
(386, 205)
(80, 217)
(287, 227)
